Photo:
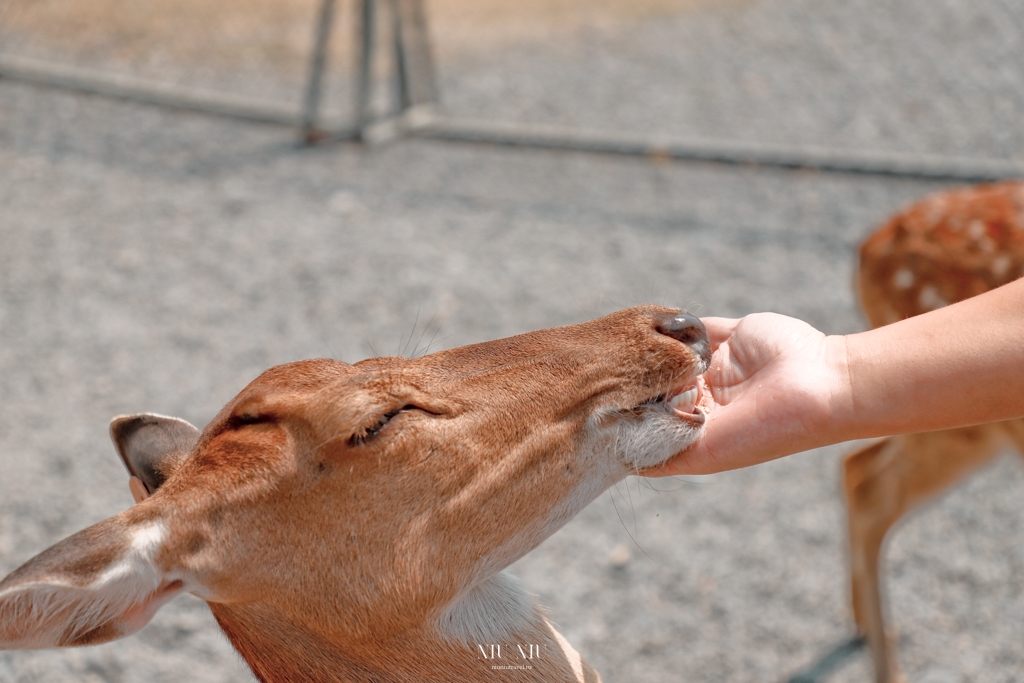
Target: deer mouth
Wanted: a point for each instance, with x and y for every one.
(686, 402)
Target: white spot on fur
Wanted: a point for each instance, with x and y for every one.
(1001, 265)
(929, 299)
(492, 611)
(903, 279)
(976, 230)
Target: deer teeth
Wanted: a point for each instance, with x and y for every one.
(685, 402)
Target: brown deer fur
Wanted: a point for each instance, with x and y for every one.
(350, 522)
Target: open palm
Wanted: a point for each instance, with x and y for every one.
(769, 393)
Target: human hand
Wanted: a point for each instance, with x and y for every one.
(769, 392)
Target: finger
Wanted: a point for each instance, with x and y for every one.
(720, 329)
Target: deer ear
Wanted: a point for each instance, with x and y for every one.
(98, 585)
(151, 447)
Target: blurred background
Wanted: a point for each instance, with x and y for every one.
(157, 260)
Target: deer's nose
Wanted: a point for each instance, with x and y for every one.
(689, 330)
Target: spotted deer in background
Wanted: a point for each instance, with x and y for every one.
(942, 249)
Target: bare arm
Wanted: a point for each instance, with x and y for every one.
(778, 386)
(959, 365)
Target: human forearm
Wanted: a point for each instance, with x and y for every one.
(777, 386)
(958, 365)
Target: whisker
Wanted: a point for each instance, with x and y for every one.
(626, 529)
(369, 344)
(404, 347)
(440, 341)
(415, 353)
(579, 305)
(632, 508)
(430, 344)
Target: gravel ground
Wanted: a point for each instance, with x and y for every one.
(912, 76)
(151, 260)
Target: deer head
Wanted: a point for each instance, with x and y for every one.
(338, 517)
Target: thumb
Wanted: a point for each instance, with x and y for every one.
(720, 329)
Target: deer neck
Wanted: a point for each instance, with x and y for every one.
(491, 632)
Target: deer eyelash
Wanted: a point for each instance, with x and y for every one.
(372, 431)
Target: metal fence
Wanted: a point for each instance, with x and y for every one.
(920, 87)
(262, 60)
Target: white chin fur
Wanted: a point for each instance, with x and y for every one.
(651, 440)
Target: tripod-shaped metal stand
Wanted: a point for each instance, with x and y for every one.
(412, 67)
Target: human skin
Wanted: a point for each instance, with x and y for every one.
(778, 386)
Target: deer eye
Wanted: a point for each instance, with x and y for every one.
(360, 438)
(244, 419)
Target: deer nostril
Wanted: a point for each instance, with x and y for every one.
(683, 327)
(689, 330)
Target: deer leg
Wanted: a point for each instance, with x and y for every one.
(883, 482)
(870, 514)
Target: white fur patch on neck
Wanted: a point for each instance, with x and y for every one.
(492, 611)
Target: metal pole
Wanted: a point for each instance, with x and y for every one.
(310, 133)
(403, 95)
(367, 44)
(425, 53)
